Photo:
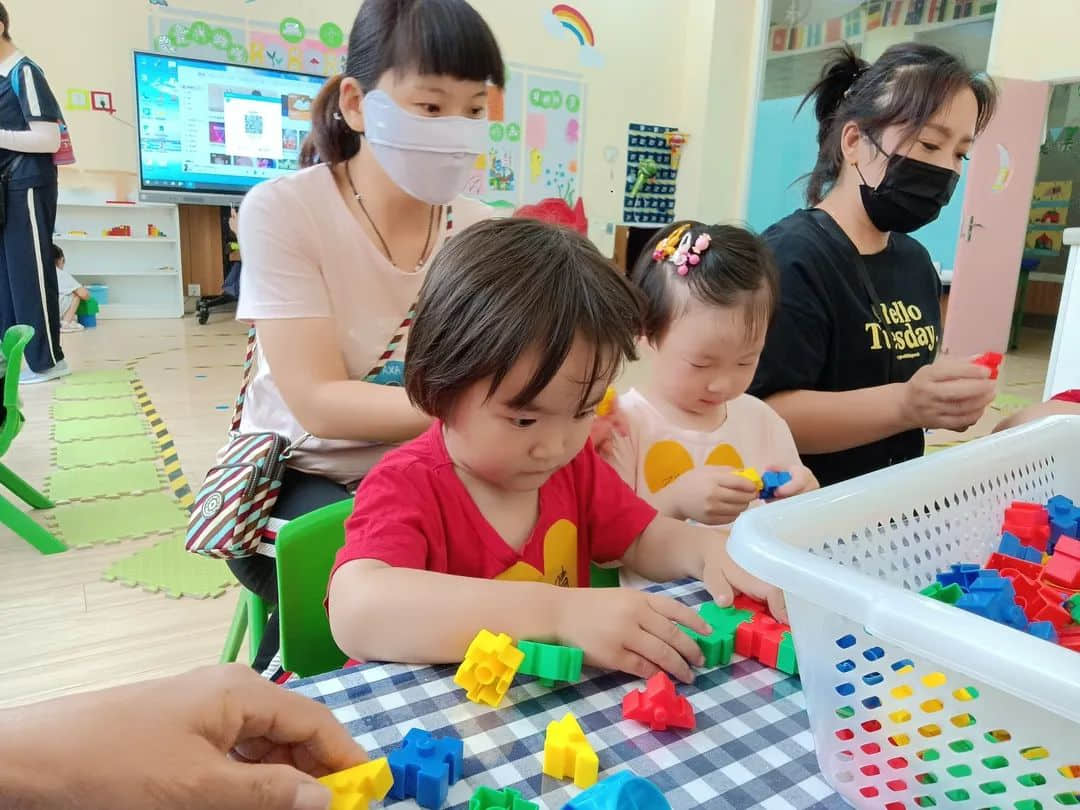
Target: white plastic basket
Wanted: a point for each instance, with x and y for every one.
(914, 703)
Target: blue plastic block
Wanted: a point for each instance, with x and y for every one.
(425, 767)
(773, 481)
(88, 321)
(962, 574)
(1064, 519)
(992, 596)
(1043, 630)
(1011, 545)
(623, 791)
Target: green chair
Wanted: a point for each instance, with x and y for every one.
(250, 616)
(12, 348)
(305, 551)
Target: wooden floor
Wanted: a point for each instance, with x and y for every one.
(63, 629)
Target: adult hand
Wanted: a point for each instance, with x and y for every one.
(217, 737)
(632, 631)
(711, 495)
(949, 393)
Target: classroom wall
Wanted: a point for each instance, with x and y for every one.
(644, 78)
(1035, 40)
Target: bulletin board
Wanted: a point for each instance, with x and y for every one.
(654, 202)
(535, 140)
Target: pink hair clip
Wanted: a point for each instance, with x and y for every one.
(681, 249)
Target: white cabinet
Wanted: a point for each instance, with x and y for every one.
(142, 271)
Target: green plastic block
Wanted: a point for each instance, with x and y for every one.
(550, 663)
(950, 595)
(487, 798)
(785, 658)
(88, 307)
(718, 646)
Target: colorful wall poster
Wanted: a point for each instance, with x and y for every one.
(1052, 191)
(496, 176)
(649, 196)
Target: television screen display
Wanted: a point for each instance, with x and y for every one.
(209, 131)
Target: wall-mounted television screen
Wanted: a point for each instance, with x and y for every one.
(209, 131)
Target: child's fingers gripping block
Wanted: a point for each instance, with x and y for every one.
(718, 646)
(489, 667)
(568, 755)
(751, 475)
(356, 788)
(772, 481)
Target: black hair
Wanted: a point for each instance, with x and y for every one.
(906, 85)
(7, 24)
(432, 37)
(504, 287)
(737, 268)
(57, 253)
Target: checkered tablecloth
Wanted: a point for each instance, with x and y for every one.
(751, 748)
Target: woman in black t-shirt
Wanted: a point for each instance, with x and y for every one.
(850, 359)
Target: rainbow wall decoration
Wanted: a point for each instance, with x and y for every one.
(565, 18)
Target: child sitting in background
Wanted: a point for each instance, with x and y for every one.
(710, 294)
(72, 293)
(520, 327)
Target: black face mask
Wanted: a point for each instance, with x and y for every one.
(910, 195)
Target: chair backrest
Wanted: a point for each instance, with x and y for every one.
(305, 551)
(13, 347)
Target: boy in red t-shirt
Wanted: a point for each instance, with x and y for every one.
(520, 327)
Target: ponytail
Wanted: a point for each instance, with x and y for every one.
(331, 139)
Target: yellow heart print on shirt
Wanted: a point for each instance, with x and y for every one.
(560, 559)
(667, 460)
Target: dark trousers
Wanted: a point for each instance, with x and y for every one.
(300, 493)
(28, 285)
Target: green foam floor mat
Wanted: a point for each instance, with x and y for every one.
(96, 390)
(102, 482)
(72, 430)
(167, 568)
(113, 519)
(99, 376)
(96, 452)
(93, 408)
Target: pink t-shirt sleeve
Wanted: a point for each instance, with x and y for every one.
(614, 516)
(281, 276)
(389, 521)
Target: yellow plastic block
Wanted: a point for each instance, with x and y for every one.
(490, 664)
(605, 405)
(751, 475)
(357, 787)
(568, 755)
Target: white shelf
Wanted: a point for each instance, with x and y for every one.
(140, 273)
(117, 206)
(165, 240)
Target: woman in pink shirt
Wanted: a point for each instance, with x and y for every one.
(334, 254)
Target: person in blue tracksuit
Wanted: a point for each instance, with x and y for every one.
(29, 137)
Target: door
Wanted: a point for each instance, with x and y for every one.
(1000, 179)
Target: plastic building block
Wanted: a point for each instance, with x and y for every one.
(1012, 547)
(568, 755)
(356, 788)
(1069, 638)
(551, 662)
(88, 307)
(950, 595)
(1064, 519)
(1030, 522)
(751, 475)
(1073, 606)
(992, 360)
(487, 798)
(1043, 630)
(88, 321)
(489, 666)
(1063, 568)
(658, 705)
(772, 481)
(605, 406)
(760, 639)
(992, 596)
(785, 658)
(962, 574)
(623, 791)
(1000, 562)
(425, 767)
(718, 646)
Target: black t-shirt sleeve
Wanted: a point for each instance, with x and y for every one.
(35, 96)
(796, 349)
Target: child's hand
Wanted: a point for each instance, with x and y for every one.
(714, 496)
(802, 480)
(605, 428)
(632, 631)
(721, 574)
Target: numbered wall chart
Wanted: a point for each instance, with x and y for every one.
(654, 201)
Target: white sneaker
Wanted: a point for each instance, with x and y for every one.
(29, 377)
(71, 326)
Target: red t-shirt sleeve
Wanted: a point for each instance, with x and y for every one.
(389, 521)
(614, 516)
(1072, 395)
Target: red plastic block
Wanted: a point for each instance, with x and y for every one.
(1063, 568)
(1025, 513)
(658, 705)
(760, 639)
(1002, 562)
(1039, 601)
(991, 360)
(1070, 638)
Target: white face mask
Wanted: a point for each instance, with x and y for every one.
(428, 158)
